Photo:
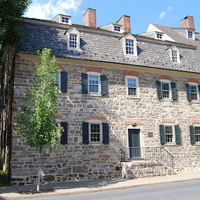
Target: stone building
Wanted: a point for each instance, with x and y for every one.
(129, 104)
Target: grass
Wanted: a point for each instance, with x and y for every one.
(3, 179)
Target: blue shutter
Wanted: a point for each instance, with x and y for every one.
(63, 81)
(84, 83)
(174, 91)
(188, 91)
(105, 133)
(199, 91)
(159, 90)
(85, 127)
(177, 134)
(64, 138)
(162, 134)
(103, 85)
(192, 136)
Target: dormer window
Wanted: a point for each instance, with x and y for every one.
(129, 45)
(117, 28)
(159, 36)
(73, 39)
(174, 54)
(190, 34)
(65, 20)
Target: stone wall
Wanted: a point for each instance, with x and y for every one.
(80, 161)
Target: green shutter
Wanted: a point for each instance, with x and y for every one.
(162, 134)
(174, 91)
(103, 85)
(63, 81)
(192, 135)
(85, 126)
(187, 86)
(177, 134)
(159, 89)
(64, 138)
(84, 83)
(105, 133)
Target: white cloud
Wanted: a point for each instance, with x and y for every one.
(51, 8)
(162, 14)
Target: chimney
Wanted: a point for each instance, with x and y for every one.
(188, 22)
(89, 18)
(125, 22)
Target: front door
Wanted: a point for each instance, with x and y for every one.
(134, 143)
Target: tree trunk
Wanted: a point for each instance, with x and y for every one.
(39, 169)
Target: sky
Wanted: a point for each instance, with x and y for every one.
(142, 12)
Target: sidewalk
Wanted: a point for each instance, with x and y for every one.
(16, 192)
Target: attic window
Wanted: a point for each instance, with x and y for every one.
(190, 34)
(129, 45)
(65, 20)
(159, 36)
(174, 54)
(117, 28)
(73, 39)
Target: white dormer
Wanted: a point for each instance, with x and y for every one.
(114, 28)
(73, 39)
(129, 44)
(64, 19)
(187, 33)
(174, 54)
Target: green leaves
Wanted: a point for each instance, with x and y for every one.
(35, 120)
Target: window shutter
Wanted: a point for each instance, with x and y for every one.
(162, 134)
(103, 84)
(174, 91)
(177, 134)
(199, 91)
(64, 138)
(63, 81)
(84, 83)
(192, 136)
(105, 133)
(188, 91)
(85, 132)
(159, 90)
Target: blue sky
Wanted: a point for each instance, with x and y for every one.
(142, 12)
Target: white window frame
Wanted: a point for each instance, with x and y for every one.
(158, 33)
(58, 75)
(168, 82)
(99, 122)
(193, 36)
(173, 133)
(73, 31)
(99, 82)
(196, 126)
(174, 48)
(194, 84)
(130, 37)
(137, 86)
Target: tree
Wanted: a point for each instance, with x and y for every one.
(10, 11)
(36, 119)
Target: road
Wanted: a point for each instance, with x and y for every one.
(188, 190)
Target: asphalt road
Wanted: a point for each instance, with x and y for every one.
(188, 190)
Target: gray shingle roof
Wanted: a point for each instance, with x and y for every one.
(104, 46)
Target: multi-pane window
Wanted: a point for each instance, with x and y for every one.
(159, 36)
(117, 28)
(93, 84)
(73, 41)
(169, 134)
(65, 20)
(132, 87)
(197, 134)
(190, 34)
(193, 90)
(174, 56)
(95, 133)
(129, 47)
(165, 90)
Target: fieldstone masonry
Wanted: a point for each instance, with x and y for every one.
(78, 161)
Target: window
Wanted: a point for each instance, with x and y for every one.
(95, 132)
(195, 133)
(193, 90)
(65, 20)
(132, 86)
(174, 54)
(73, 39)
(94, 83)
(166, 89)
(117, 28)
(159, 36)
(64, 133)
(190, 34)
(61, 81)
(129, 45)
(169, 133)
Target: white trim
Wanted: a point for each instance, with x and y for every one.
(77, 33)
(99, 81)
(137, 86)
(173, 132)
(170, 90)
(174, 48)
(193, 34)
(198, 95)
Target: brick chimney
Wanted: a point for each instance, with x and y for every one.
(188, 22)
(125, 22)
(89, 17)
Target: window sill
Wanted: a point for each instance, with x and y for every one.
(194, 101)
(132, 97)
(131, 56)
(170, 144)
(196, 144)
(166, 100)
(95, 94)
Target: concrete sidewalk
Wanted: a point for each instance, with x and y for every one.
(54, 189)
